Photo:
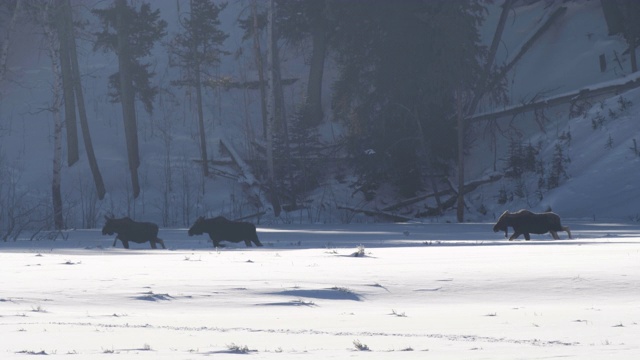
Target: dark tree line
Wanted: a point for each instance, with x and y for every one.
(403, 68)
(401, 64)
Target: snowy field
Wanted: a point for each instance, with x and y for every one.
(441, 291)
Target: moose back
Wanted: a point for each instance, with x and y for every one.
(221, 229)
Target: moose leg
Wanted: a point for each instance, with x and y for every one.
(216, 244)
(257, 242)
(153, 244)
(515, 235)
(527, 236)
(125, 243)
(115, 240)
(555, 235)
(566, 228)
(161, 242)
(248, 243)
(215, 239)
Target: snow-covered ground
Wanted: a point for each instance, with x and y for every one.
(436, 290)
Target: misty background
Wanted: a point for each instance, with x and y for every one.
(315, 111)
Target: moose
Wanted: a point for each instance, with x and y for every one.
(221, 229)
(527, 222)
(129, 230)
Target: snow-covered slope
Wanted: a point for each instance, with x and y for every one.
(602, 171)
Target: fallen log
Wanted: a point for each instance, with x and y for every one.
(597, 90)
(258, 214)
(376, 213)
(467, 188)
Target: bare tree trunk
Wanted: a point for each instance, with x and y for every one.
(84, 124)
(427, 157)
(313, 107)
(203, 136)
(632, 51)
(67, 85)
(54, 53)
(271, 109)
(460, 119)
(4, 51)
(57, 159)
(260, 66)
(280, 120)
(127, 98)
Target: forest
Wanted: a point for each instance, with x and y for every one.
(151, 109)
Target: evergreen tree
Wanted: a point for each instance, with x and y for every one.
(195, 50)
(558, 167)
(400, 64)
(298, 160)
(131, 34)
(521, 159)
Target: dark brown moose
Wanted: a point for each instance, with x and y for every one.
(527, 222)
(221, 229)
(129, 230)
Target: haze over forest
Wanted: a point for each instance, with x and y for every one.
(315, 111)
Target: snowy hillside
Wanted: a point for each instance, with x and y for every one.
(600, 174)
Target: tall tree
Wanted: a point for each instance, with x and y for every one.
(254, 21)
(62, 20)
(272, 104)
(43, 14)
(300, 21)
(131, 34)
(271, 90)
(480, 88)
(400, 64)
(195, 51)
(72, 86)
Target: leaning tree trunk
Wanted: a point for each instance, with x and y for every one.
(482, 86)
(84, 123)
(127, 98)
